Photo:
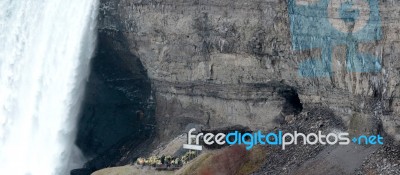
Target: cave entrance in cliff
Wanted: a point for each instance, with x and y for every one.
(292, 103)
(117, 102)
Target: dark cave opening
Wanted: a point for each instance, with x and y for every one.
(292, 103)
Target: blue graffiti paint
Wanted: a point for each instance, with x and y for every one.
(311, 28)
(347, 13)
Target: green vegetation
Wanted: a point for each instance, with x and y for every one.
(167, 161)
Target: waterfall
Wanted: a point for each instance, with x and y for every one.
(45, 50)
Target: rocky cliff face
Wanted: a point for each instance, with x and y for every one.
(219, 63)
(118, 91)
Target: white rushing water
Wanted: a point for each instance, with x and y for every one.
(45, 49)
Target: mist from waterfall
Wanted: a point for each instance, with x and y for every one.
(45, 50)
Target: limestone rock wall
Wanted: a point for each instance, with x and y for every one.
(220, 62)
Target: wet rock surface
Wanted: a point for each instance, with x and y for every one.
(118, 91)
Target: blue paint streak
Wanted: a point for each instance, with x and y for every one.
(311, 29)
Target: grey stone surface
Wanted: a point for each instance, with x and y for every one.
(205, 59)
(216, 63)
